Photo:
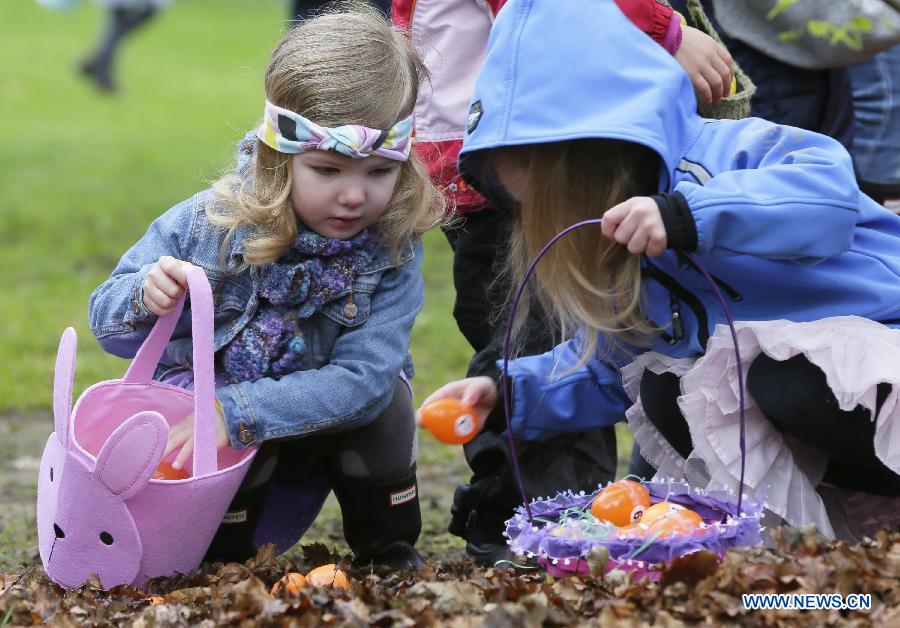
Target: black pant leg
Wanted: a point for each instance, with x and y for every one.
(659, 395)
(794, 396)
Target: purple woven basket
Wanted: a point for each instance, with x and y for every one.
(560, 533)
(559, 542)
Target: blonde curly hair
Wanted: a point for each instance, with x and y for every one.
(345, 66)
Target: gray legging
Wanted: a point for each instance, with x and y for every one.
(371, 469)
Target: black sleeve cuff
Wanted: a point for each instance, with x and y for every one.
(681, 230)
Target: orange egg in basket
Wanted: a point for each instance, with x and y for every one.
(664, 509)
(632, 531)
(621, 503)
(165, 471)
(678, 523)
(450, 421)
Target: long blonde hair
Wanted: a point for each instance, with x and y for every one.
(345, 66)
(585, 280)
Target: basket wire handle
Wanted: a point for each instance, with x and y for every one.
(507, 390)
(144, 365)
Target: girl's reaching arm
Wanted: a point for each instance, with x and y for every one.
(117, 311)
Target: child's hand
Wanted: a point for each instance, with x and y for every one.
(164, 285)
(707, 62)
(478, 392)
(182, 435)
(636, 223)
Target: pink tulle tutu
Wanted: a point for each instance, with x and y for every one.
(856, 354)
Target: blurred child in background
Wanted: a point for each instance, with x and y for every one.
(123, 19)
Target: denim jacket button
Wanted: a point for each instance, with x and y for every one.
(244, 435)
(350, 310)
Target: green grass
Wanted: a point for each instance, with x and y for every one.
(84, 174)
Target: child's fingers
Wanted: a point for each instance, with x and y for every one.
(175, 269)
(627, 228)
(476, 392)
(611, 219)
(638, 242)
(179, 273)
(177, 437)
(168, 286)
(716, 83)
(186, 451)
(701, 86)
(725, 56)
(157, 296)
(154, 307)
(453, 389)
(725, 72)
(657, 243)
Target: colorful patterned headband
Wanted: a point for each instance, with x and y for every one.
(289, 132)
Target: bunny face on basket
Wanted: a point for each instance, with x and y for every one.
(77, 540)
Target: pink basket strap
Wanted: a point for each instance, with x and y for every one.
(144, 365)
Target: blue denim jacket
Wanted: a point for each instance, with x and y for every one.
(353, 357)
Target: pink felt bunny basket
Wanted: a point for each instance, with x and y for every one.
(98, 510)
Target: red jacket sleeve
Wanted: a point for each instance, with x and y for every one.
(496, 5)
(652, 17)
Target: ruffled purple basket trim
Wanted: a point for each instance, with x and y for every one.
(726, 530)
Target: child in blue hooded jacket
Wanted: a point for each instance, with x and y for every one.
(808, 266)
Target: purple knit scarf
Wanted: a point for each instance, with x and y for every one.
(314, 271)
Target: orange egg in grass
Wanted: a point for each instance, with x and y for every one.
(291, 582)
(165, 471)
(328, 575)
(621, 503)
(450, 420)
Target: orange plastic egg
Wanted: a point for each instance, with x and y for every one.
(632, 531)
(291, 582)
(621, 503)
(450, 421)
(677, 523)
(165, 471)
(328, 575)
(663, 509)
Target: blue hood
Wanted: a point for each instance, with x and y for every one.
(617, 83)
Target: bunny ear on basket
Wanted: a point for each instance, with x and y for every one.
(63, 380)
(131, 453)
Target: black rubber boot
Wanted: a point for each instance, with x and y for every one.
(382, 520)
(233, 541)
(478, 515)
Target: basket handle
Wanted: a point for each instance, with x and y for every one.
(507, 390)
(144, 364)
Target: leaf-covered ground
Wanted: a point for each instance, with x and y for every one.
(695, 590)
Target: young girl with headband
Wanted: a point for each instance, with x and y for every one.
(312, 248)
(771, 215)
